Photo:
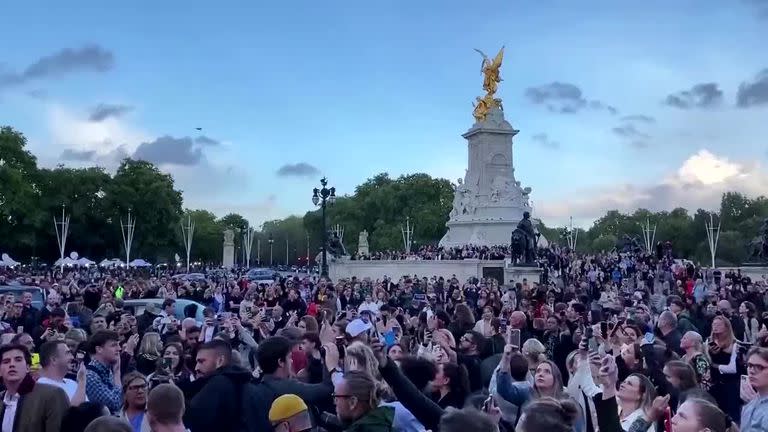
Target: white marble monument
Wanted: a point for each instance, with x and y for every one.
(228, 260)
(362, 244)
(489, 201)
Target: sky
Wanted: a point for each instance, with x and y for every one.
(620, 105)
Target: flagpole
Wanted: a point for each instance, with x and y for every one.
(61, 234)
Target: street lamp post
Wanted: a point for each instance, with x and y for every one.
(271, 241)
(321, 197)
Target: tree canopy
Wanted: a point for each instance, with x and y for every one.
(98, 201)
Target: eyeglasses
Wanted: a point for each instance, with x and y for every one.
(756, 367)
(137, 387)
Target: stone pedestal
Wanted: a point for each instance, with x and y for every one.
(362, 244)
(489, 202)
(514, 274)
(228, 260)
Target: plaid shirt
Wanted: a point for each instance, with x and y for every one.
(100, 387)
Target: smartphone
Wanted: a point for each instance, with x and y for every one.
(649, 338)
(167, 363)
(268, 311)
(79, 359)
(744, 380)
(248, 311)
(503, 326)
(19, 329)
(514, 338)
(604, 329)
(388, 338)
(341, 344)
(420, 297)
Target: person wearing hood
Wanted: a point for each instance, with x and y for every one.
(218, 403)
(357, 404)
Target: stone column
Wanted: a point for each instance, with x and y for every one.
(229, 249)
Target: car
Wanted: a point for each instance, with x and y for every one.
(189, 277)
(138, 306)
(38, 294)
(260, 275)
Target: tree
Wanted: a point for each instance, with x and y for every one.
(381, 205)
(207, 237)
(156, 204)
(604, 243)
(19, 213)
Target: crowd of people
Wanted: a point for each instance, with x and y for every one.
(499, 252)
(608, 342)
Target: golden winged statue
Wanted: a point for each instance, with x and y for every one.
(491, 79)
(490, 69)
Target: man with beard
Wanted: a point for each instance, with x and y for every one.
(224, 388)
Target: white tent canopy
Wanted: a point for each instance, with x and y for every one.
(6, 261)
(84, 262)
(139, 263)
(114, 262)
(67, 261)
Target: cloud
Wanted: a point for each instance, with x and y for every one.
(205, 141)
(104, 111)
(87, 58)
(564, 98)
(640, 118)
(760, 7)
(170, 150)
(629, 131)
(70, 129)
(755, 92)
(301, 169)
(704, 95)
(699, 182)
(543, 140)
(38, 94)
(78, 155)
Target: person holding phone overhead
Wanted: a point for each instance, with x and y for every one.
(55, 360)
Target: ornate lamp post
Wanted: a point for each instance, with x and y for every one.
(321, 197)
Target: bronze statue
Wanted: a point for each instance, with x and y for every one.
(523, 242)
(335, 246)
(760, 244)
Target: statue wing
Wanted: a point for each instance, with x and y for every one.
(485, 57)
(498, 59)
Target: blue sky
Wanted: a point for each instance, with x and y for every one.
(357, 88)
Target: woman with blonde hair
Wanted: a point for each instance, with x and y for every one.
(547, 383)
(135, 390)
(150, 350)
(723, 351)
(359, 358)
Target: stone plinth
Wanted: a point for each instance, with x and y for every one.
(462, 269)
(228, 260)
(488, 202)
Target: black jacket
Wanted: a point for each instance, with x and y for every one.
(218, 404)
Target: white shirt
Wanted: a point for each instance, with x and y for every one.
(11, 403)
(628, 420)
(69, 386)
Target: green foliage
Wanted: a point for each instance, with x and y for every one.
(381, 205)
(97, 202)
